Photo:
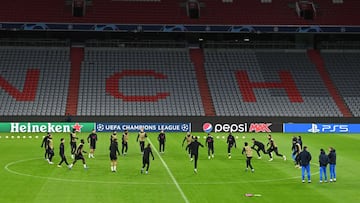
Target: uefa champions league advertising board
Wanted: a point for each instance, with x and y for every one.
(148, 127)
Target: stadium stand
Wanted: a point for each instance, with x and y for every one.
(34, 80)
(278, 12)
(343, 67)
(163, 83)
(305, 94)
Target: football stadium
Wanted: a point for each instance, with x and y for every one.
(188, 101)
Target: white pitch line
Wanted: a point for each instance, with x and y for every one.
(169, 172)
(7, 168)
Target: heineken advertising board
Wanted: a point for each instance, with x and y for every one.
(43, 127)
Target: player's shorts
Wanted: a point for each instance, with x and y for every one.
(79, 156)
(146, 161)
(113, 157)
(92, 145)
(50, 151)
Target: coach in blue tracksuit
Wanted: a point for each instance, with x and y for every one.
(323, 162)
(332, 163)
(305, 158)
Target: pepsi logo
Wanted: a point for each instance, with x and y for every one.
(207, 127)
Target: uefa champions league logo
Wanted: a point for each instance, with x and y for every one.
(185, 127)
(100, 127)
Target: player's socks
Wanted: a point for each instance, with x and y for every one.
(252, 170)
(309, 181)
(284, 158)
(146, 172)
(71, 165)
(213, 156)
(59, 166)
(259, 157)
(303, 181)
(195, 170)
(142, 170)
(270, 159)
(208, 157)
(85, 167)
(112, 168)
(89, 155)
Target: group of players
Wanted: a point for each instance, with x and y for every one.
(300, 154)
(77, 151)
(193, 146)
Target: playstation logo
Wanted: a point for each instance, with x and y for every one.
(314, 129)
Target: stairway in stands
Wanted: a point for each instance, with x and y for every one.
(76, 57)
(197, 58)
(316, 58)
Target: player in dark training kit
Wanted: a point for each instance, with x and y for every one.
(231, 142)
(114, 151)
(162, 140)
(194, 150)
(62, 153)
(209, 142)
(44, 145)
(146, 159)
(92, 139)
(259, 147)
(273, 148)
(73, 139)
(124, 142)
(79, 154)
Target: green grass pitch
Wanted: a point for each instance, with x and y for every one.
(26, 177)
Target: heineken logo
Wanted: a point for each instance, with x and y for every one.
(43, 127)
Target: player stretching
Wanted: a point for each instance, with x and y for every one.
(188, 138)
(73, 139)
(114, 151)
(209, 142)
(124, 142)
(79, 154)
(92, 138)
(231, 142)
(194, 150)
(248, 152)
(162, 140)
(273, 148)
(259, 147)
(62, 153)
(44, 144)
(141, 139)
(146, 159)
